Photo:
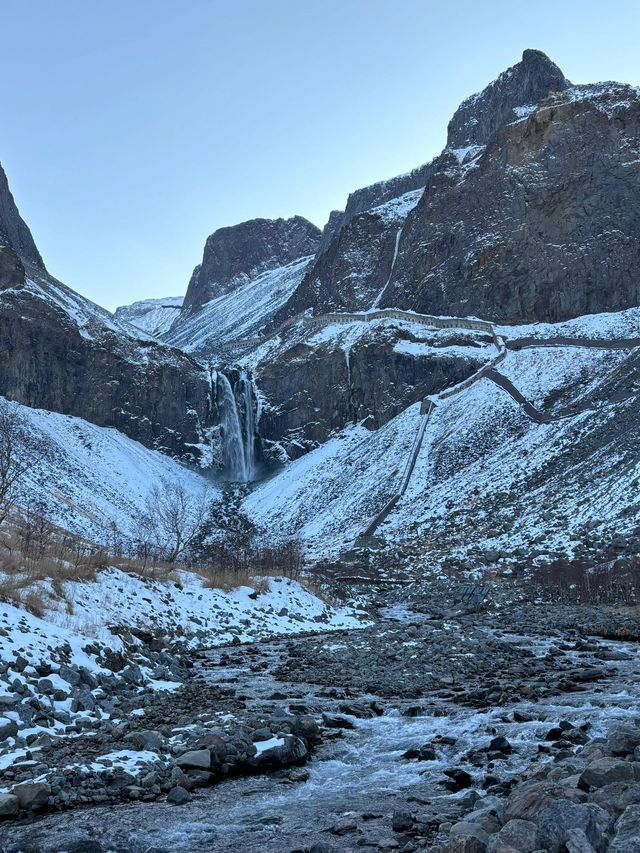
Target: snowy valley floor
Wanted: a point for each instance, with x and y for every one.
(429, 725)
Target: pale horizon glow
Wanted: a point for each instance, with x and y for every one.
(132, 131)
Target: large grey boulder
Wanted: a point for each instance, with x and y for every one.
(8, 728)
(556, 822)
(627, 832)
(9, 805)
(32, 795)
(196, 759)
(520, 835)
(605, 771)
(623, 739)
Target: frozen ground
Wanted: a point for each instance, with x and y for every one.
(88, 477)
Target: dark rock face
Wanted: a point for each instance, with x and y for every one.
(312, 391)
(12, 272)
(152, 393)
(481, 116)
(60, 352)
(529, 214)
(13, 230)
(545, 225)
(241, 252)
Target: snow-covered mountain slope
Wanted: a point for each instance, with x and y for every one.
(87, 477)
(153, 316)
(237, 317)
(489, 480)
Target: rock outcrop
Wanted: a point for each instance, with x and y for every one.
(234, 255)
(59, 351)
(529, 214)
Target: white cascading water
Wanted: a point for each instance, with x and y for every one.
(238, 443)
(249, 426)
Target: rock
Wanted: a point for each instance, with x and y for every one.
(616, 797)
(467, 838)
(556, 821)
(500, 744)
(336, 721)
(577, 842)
(234, 255)
(343, 827)
(520, 835)
(9, 805)
(458, 779)
(293, 750)
(8, 701)
(8, 728)
(145, 739)
(530, 798)
(622, 740)
(626, 838)
(402, 821)
(197, 759)
(32, 795)
(85, 845)
(178, 796)
(605, 771)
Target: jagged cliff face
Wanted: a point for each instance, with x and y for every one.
(235, 255)
(530, 213)
(58, 351)
(317, 384)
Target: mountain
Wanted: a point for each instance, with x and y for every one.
(528, 214)
(234, 255)
(62, 353)
(153, 316)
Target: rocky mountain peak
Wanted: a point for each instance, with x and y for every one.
(235, 254)
(14, 232)
(525, 84)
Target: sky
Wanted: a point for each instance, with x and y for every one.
(132, 129)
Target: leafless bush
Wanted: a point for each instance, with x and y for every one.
(173, 521)
(13, 464)
(579, 581)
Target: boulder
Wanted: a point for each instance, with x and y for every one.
(627, 832)
(556, 822)
(616, 797)
(32, 795)
(178, 796)
(196, 759)
(605, 771)
(9, 805)
(623, 739)
(520, 835)
(8, 728)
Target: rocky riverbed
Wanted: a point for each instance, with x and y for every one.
(514, 729)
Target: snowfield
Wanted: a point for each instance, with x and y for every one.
(240, 315)
(487, 478)
(153, 316)
(88, 477)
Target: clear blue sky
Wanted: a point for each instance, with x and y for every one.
(132, 129)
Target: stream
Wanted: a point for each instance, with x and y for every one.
(358, 771)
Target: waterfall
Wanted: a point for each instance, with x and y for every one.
(249, 426)
(238, 423)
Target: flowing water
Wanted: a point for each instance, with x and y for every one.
(361, 771)
(238, 424)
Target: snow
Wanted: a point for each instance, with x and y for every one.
(88, 477)
(263, 745)
(154, 316)
(238, 316)
(608, 325)
(131, 761)
(184, 602)
(478, 444)
(396, 210)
